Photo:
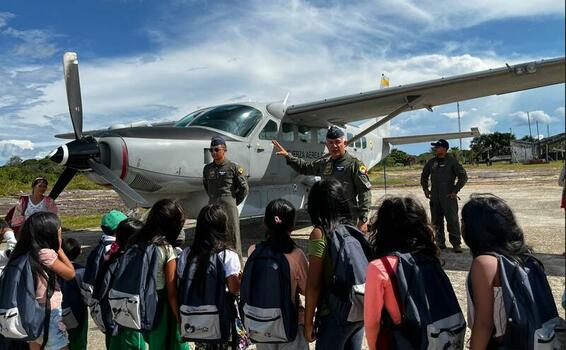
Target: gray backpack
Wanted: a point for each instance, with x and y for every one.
(349, 251)
(133, 296)
(532, 318)
(21, 315)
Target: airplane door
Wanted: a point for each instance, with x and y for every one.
(262, 162)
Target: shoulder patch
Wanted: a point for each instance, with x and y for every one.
(240, 170)
(363, 170)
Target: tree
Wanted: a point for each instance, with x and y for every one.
(528, 138)
(13, 161)
(496, 144)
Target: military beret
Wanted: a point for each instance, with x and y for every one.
(217, 140)
(334, 132)
(441, 143)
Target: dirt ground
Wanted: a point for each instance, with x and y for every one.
(533, 195)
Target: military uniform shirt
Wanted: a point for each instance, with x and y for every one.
(351, 173)
(443, 173)
(225, 180)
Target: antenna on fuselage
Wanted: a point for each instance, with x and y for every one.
(286, 98)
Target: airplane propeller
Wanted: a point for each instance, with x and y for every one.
(81, 153)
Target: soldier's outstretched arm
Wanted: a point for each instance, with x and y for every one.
(298, 164)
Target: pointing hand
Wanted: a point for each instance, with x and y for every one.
(280, 150)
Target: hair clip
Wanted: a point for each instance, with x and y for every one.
(277, 220)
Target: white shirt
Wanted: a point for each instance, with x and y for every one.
(35, 208)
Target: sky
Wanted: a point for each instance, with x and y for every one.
(162, 59)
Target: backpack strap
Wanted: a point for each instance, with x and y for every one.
(393, 278)
(25, 202)
(47, 316)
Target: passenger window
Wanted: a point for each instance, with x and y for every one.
(364, 143)
(321, 135)
(269, 131)
(358, 143)
(287, 133)
(305, 134)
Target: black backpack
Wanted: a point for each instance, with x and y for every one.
(269, 314)
(207, 314)
(21, 315)
(73, 307)
(532, 318)
(133, 295)
(93, 262)
(100, 309)
(349, 251)
(431, 315)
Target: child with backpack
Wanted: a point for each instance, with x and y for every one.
(39, 249)
(157, 289)
(209, 278)
(109, 223)
(510, 303)
(284, 284)
(338, 258)
(75, 314)
(408, 300)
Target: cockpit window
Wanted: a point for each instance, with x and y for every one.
(235, 119)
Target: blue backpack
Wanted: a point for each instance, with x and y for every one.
(91, 270)
(349, 251)
(74, 307)
(269, 314)
(21, 315)
(133, 295)
(431, 315)
(532, 318)
(207, 312)
(100, 309)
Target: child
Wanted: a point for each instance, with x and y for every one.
(109, 224)
(280, 220)
(400, 225)
(8, 236)
(78, 326)
(40, 236)
(210, 238)
(162, 227)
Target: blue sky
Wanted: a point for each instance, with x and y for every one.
(159, 60)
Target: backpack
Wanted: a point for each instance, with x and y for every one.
(91, 270)
(10, 213)
(73, 306)
(100, 309)
(431, 315)
(269, 313)
(348, 248)
(21, 315)
(206, 317)
(532, 318)
(133, 293)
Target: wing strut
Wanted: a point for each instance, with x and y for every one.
(410, 102)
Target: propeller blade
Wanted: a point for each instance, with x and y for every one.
(71, 70)
(116, 182)
(62, 182)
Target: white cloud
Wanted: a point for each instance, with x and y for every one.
(9, 148)
(454, 115)
(485, 124)
(522, 118)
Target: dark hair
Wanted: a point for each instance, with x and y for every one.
(39, 231)
(71, 247)
(401, 225)
(280, 220)
(489, 225)
(163, 224)
(210, 237)
(327, 205)
(3, 224)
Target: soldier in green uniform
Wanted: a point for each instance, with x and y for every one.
(342, 166)
(225, 183)
(443, 171)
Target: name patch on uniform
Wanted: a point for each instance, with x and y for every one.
(221, 173)
(340, 168)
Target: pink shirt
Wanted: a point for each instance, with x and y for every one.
(47, 258)
(298, 268)
(379, 293)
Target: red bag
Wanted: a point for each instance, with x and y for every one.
(10, 214)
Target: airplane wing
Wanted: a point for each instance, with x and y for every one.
(347, 109)
(403, 140)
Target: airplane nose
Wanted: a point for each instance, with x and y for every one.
(60, 155)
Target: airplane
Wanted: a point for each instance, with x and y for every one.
(145, 163)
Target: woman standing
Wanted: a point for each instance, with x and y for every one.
(34, 203)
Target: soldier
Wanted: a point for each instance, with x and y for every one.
(443, 170)
(342, 166)
(225, 183)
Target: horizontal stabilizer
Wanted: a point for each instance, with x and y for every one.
(403, 140)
